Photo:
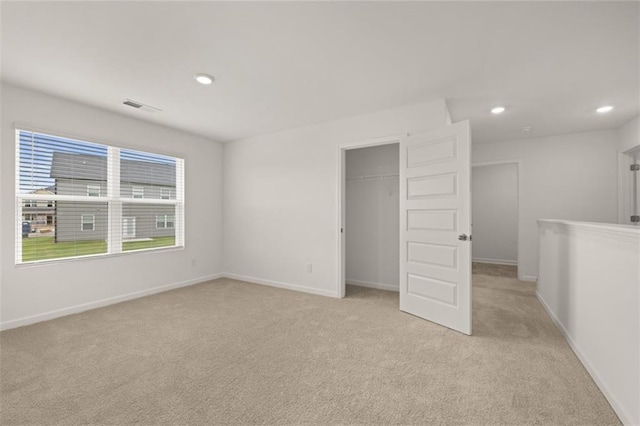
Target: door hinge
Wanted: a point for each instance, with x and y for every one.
(635, 219)
(341, 230)
(634, 167)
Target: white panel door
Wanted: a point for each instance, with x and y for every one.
(435, 226)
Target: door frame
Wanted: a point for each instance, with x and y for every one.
(518, 164)
(341, 200)
(125, 219)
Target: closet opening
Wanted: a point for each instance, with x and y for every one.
(496, 218)
(370, 217)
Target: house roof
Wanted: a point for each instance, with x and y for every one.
(94, 167)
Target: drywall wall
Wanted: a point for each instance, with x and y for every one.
(372, 216)
(570, 177)
(37, 292)
(494, 190)
(281, 197)
(588, 283)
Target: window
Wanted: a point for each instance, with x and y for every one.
(99, 196)
(93, 190)
(87, 222)
(137, 192)
(165, 221)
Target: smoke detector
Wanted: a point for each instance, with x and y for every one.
(140, 106)
(526, 130)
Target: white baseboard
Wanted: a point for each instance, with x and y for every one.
(531, 278)
(624, 417)
(279, 284)
(102, 302)
(495, 261)
(379, 286)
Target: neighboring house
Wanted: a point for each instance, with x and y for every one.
(86, 175)
(40, 214)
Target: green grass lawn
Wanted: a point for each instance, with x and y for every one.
(43, 248)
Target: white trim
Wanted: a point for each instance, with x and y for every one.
(103, 302)
(531, 278)
(341, 202)
(91, 199)
(18, 205)
(518, 164)
(378, 286)
(617, 407)
(495, 261)
(280, 284)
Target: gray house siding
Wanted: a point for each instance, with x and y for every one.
(150, 191)
(146, 226)
(82, 175)
(69, 221)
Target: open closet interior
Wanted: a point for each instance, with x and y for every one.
(372, 217)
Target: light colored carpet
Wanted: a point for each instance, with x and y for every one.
(227, 352)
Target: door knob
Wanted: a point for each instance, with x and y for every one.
(463, 237)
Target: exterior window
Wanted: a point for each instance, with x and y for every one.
(93, 190)
(138, 191)
(88, 222)
(165, 221)
(77, 178)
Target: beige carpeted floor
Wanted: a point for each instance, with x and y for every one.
(227, 352)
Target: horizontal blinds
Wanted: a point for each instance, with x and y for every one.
(44, 158)
(77, 198)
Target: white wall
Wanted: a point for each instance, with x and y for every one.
(572, 177)
(280, 197)
(588, 284)
(372, 216)
(36, 292)
(494, 190)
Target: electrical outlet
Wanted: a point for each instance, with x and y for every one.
(193, 262)
(309, 268)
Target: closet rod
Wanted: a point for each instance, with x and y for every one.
(372, 177)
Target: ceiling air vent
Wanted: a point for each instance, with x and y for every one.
(140, 106)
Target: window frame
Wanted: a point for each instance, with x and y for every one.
(165, 221)
(162, 190)
(94, 186)
(92, 222)
(140, 190)
(113, 199)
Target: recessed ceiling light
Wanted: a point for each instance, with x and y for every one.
(203, 78)
(497, 110)
(526, 130)
(604, 109)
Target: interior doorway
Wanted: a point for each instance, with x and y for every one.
(372, 217)
(496, 210)
(369, 175)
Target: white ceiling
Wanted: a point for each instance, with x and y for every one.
(283, 65)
